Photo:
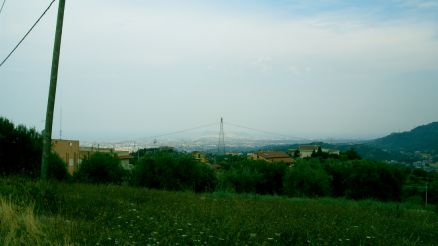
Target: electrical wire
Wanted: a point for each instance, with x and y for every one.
(185, 130)
(263, 131)
(4, 1)
(19, 43)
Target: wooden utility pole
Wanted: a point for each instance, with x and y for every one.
(47, 134)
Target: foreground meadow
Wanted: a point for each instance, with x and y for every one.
(34, 212)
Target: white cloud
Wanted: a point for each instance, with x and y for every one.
(193, 59)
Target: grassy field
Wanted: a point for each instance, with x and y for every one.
(79, 214)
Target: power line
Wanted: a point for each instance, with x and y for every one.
(13, 50)
(263, 131)
(185, 130)
(4, 1)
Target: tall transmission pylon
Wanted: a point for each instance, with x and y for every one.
(221, 144)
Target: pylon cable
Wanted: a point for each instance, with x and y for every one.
(13, 50)
(185, 130)
(263, 131)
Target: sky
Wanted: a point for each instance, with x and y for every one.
(309, 69)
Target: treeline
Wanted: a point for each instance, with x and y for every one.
(20, 152)
(312, 177)
(319, 176)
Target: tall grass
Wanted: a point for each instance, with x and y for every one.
(19, 226)
(120, 215)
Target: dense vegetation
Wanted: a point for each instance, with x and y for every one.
(173, 171)
(345, 176)
(20, 152)
(422, 138)
(87, 214)
(120, 211)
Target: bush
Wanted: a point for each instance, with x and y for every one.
(57, 168)
(432, 194)
(173, 171)
(369, 179)
(307, 178)
(255, 177)
(100, 168)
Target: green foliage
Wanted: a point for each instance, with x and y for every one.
(422, 138)
(20, 149)
(350, 154)
(173, 171)
(121, 215)
(57, 168)
(376, 180)
(307, 178)
(255, 177)
(432, 194)
(43, 195)
(100, 168)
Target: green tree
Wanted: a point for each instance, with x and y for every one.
(174, 171)
(100, 168)
(307, 178)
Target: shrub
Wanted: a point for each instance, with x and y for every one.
(57, 168)
(100, 168)
(307, 178)
(369, 179)
(255, 177)
(173, 171)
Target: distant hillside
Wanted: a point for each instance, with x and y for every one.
(422, 138)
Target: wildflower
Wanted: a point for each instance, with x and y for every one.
(368, 237)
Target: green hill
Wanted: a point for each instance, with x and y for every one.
(422, 138)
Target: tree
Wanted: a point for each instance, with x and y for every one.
(100, 168)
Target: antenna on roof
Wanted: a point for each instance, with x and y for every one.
(60, 123)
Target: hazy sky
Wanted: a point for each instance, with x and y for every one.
(323, 68)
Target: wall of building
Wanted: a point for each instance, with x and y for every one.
(68, 150)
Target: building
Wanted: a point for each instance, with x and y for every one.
(69, 151)
(124, 157)
(199, 156)
(307, 150)
(85, 152)
(272, 156)
(331, 151)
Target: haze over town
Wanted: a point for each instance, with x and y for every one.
(133, 69)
